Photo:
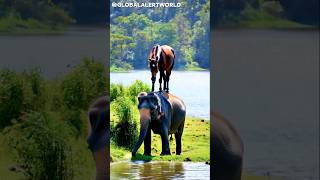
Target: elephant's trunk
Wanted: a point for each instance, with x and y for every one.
(144, 125)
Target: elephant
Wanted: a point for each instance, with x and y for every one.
(98, 139)
(226, 151)
(164, 114)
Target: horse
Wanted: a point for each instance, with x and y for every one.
(161, 58)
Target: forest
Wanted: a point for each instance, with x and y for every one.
(186, 29)
(135, 30)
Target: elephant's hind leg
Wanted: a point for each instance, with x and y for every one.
(178, 143)
(178, 136)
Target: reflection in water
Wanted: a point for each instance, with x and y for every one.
(159, 170)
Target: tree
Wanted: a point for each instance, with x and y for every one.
(201, 36)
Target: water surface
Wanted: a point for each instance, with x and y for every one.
(160, 170)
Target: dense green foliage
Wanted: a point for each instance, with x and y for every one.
(265, 13)
(31, 14)
(45, 121)
(20, 93)
(186, 29)
(11, 97)
(42, 147)
(49, 15)
(124, 122)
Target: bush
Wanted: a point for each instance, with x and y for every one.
(11, 97)
(73, 118)
(34, 90)
(73, 90)
(86, 82)
(117, 90)
(42, 147)
(125, 132)
(137, 87)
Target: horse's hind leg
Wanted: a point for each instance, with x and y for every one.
(167, 78)
(164, 82)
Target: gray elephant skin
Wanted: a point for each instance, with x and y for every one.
(226, 150)
(164, 114)
(98, 140)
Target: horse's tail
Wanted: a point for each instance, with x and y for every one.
(174, 56)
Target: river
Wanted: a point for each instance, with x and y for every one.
(160, 170)
(266, 82)
(193, 87)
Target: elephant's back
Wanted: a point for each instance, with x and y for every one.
(176, 102)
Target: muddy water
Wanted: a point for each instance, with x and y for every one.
(159, 170)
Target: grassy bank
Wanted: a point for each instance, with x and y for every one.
(16, 25)
(195, 145)
(7, 161)
(261, 20)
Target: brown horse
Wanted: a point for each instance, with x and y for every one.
(161, 58)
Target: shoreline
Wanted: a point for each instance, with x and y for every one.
(195, 146)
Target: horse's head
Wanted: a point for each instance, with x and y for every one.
(154, 57)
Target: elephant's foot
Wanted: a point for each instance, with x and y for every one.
(163, 153)
(147, 154)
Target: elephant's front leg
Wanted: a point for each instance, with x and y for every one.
(147, 143)
(165, 141)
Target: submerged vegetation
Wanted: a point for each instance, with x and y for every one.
(43, 122)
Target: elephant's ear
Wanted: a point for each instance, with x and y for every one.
(140, 95)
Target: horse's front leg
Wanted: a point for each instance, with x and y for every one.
(153, 79)
(160, 80)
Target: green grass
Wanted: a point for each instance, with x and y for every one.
(6, 161)
(275, 23)
(14, 25)
(195, 145)
(194, 68)
(83, 163)
(116, 69)
(255, 18)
